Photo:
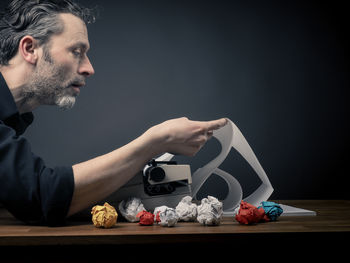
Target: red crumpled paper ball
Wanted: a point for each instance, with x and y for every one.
(249, 214)
(146, 218)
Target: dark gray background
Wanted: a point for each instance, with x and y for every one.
(278, 69)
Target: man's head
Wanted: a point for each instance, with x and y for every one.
(49, 39)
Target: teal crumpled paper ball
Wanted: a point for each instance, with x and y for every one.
(272, 210)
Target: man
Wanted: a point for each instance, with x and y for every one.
(43, 61)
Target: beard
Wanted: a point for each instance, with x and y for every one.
(51, 84)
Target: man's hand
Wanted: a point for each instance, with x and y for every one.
(183, 136)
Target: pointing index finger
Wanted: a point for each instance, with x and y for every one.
(216, 124)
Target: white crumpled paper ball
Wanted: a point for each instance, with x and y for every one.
(210, 211)
(186, 210)
(131, 208)
(166, 216)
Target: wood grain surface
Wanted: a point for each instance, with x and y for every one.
(295, 238)
(333, 216)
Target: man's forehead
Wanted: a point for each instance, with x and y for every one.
(75, 31)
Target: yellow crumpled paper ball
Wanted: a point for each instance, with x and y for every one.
(104, 215)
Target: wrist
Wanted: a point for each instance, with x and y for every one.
(153, 142)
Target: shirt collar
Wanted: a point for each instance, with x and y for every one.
(8, 110)
(7, 103)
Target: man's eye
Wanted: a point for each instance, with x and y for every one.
(77, 53)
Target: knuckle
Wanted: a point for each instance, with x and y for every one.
(202, 140)
(201, 130)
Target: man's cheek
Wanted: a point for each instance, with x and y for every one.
(65, 73)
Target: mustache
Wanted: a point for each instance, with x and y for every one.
(78, 82)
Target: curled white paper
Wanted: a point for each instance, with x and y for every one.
(231, 137)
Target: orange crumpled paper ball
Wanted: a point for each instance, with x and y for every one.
(104, 215)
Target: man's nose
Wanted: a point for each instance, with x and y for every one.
(86, 68)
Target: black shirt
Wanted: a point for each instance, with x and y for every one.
(31, 191)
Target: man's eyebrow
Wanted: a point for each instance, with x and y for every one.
(82, 45)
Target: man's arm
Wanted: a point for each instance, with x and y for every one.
(97, 178)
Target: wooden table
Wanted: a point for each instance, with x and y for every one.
(323, 232)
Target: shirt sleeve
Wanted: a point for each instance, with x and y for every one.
(32, 192)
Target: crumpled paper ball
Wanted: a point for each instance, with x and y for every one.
(210, 211)
(130, 208)
(157, 210)
(250, 214)
(272, 210)
(104, 215)
(186, 210)
(166, 216)
(146, 218)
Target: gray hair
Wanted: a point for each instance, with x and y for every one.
(37, 18)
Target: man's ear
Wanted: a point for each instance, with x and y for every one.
(28, 48)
